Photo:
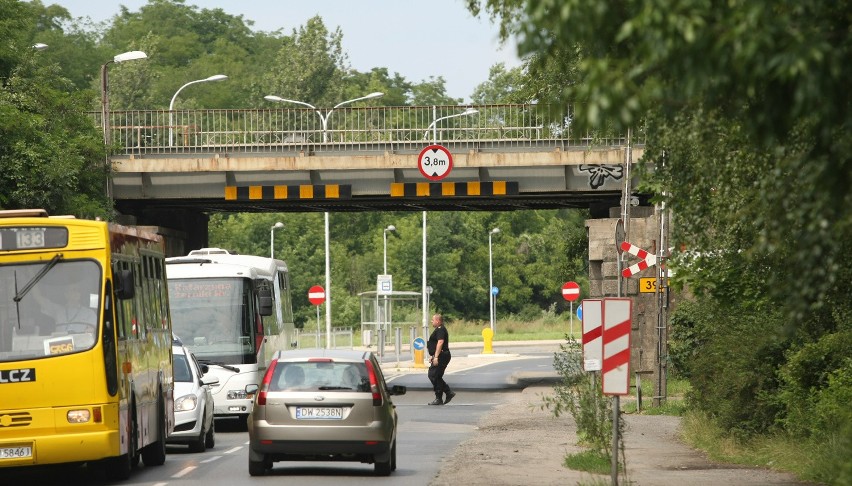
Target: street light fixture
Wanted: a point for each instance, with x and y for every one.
(215, 77)
(323, 117)
(491, 280)
(39, 46)
(125, 56)
(434, 124)
(385, 237)
(276, 226)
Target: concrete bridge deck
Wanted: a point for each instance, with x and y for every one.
(504, 157)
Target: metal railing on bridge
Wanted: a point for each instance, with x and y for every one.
(387, 128)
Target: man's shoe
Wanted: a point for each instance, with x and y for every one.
(436, 401)
(450, 396)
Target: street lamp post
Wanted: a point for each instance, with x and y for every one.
(426, 289)
(385, 297)
(491, 280)
(434, 125)
(215, 77)
(385, 237)
(323, 117)
(125, 56)
(276, 226)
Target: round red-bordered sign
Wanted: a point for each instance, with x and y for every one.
(316, 295)
(435, 162)
(570, 291)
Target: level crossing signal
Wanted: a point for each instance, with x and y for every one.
(648, 259)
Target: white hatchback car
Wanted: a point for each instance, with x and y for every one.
(193, 401)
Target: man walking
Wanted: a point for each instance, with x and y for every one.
(439, 351)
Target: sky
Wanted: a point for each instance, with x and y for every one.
(415, 39)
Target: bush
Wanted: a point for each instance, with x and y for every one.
(730, 355)
(817, 384)
(580, 394)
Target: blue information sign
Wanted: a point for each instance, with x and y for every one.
(419, 344)
(495, 290)
(580, 311)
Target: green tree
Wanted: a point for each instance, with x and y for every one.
(51, 153)
(745, 108)
(432, 91)
(774, 71)
(309, 66)
(503, 86)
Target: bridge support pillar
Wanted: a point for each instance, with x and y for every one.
(183, 229)
(646, 350)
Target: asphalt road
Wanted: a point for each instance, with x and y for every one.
(427, 434)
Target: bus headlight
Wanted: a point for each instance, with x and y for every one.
(186, 403)
(78, 416)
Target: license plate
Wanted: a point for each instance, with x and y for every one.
(16, 452)
(319, 413)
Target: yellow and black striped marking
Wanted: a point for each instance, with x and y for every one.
(307, 191)
(453, 189)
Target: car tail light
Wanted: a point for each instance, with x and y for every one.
(374, 384)
(264, 386)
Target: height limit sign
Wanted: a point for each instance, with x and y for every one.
(435, 162)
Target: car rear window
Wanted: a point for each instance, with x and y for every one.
(320, 375)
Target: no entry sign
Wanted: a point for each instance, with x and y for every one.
(435, 162)
(316, 295)
(570, 291)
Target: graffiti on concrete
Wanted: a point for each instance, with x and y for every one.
(599, 173)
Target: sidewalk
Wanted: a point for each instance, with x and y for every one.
(467, 355)
(520, 443)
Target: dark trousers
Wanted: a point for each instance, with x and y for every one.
(436, 376)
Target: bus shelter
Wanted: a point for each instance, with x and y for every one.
(389, 311)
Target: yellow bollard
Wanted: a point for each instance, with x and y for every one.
(419, 346)
(487, 336)
(418, 358)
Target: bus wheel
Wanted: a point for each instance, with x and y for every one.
(155, 453)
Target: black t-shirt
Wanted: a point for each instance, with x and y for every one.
(438, 334)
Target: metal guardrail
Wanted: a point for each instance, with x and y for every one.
(391, 128)
(341, 337)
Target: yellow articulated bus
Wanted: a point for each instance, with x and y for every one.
(85, 344)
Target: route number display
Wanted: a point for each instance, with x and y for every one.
(648, 285)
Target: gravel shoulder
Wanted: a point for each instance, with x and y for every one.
(518, 443)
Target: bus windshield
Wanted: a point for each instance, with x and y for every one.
(213, 318)
(48, 308)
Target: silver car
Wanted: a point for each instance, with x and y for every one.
(323, 405)
(193, 402)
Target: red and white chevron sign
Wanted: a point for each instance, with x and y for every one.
(648, 259)
(617, 316)
(592, 322)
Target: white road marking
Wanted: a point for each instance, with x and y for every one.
(184, 472)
